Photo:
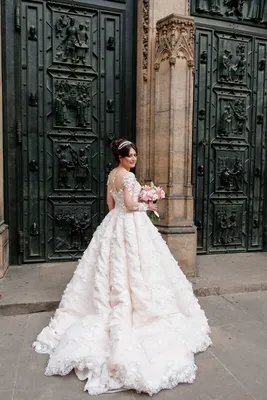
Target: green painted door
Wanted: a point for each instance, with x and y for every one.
(70, 72)
(229, 140)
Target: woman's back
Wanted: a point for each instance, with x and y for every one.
(115, 180)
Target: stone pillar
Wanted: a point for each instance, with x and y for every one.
(149, 12)
(164, 118)
(174, 62)
(4, 249)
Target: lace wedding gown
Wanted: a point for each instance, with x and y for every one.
(128, 319)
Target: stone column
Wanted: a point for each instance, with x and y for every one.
(4, 248)
(149, 12)
(144, 85)
(174, 62)
(164, 118)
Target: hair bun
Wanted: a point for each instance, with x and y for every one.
(115, 144)
(114, 147)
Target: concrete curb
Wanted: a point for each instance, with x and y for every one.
(46, 306)
(28, 308)
(240, 288)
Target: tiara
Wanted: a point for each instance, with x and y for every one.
(126, 143)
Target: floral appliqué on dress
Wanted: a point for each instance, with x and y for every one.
(128, 319)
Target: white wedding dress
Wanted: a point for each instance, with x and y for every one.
(128, 319)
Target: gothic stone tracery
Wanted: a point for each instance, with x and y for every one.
(175, 39)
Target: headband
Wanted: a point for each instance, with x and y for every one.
(123, 144)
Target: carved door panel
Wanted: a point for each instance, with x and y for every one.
(75, 72)
(245, 11)
(229, 137)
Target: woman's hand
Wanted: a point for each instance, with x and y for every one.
(152, 206)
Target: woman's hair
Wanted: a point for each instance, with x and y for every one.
(121, 148)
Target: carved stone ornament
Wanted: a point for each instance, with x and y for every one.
(145, 37)
(175, 39)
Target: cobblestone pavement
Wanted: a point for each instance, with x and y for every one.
(235, 367)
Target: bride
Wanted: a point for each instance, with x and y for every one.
(128, 319)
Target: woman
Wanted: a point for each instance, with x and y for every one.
(128, 319)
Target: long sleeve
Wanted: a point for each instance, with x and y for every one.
(129, 183)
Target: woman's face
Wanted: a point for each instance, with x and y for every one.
(129, 161)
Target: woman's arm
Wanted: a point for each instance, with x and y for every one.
(110, 200)
(128, 181)
(132, 204)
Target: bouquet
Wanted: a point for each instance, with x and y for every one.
(151, 194)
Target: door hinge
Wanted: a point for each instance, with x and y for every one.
(21, 241)
(18, 132)
(17, 17)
